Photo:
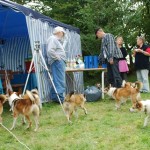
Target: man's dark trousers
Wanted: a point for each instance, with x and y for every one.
(113, 74)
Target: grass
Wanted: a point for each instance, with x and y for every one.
(103, 128)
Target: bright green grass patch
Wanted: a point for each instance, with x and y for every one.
(103, 128)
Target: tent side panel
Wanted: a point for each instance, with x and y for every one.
(40, 31)
(14, 52)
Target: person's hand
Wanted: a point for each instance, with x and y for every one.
(58, 58)
(138, 50)
(141, 51)
(111, 61)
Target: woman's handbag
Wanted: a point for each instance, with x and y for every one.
(123, 66)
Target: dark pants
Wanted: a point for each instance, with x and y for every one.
(113, 74)
(123, 75)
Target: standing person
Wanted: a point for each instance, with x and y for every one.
(56, 59)
(111, 53)
(142, 54)
(123, 66)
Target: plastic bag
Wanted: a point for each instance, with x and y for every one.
(92, 93)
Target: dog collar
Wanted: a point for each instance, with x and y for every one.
(13, 103)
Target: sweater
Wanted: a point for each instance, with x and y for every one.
(142, 61)
(124, 53)
(55, 50)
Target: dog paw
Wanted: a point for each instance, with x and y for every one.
(23, 123)
(132, 110)
(70, 122)
(11, 129)
(144, 126)
(35, 129)
(28, 127)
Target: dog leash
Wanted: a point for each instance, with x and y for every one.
(15, 137)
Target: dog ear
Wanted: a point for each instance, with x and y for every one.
(17, 93)
(71, 93)
(127, 84)
(138, 105)
(106, 90)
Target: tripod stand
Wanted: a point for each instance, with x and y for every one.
(37, 55)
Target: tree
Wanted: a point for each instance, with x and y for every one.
(128, 18)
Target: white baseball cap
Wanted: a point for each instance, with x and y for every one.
(58, 29)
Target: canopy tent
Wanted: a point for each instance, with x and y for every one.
(20, 27)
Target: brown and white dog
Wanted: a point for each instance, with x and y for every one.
(143, 106)
(35, 94)
(72, 102)
(25, 106)
(3, 99)
(128, 91)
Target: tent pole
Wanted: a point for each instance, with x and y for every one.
(30, 69)
(46, 68)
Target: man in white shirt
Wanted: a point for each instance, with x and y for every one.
(56, 59)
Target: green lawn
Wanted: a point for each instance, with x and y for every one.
(103, 128)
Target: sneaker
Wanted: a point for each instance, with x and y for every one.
(143, 91)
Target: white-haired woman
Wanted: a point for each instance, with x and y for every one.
(142, 54)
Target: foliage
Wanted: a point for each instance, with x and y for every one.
(103, 128)
(119, 17)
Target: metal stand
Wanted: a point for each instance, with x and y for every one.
(37, 55)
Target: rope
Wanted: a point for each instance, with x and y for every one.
(15, 137)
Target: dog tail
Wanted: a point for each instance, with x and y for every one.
(3, 98)
(30, 96)
(138, 85)
(35, 91)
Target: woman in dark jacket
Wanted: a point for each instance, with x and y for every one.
(142, 55)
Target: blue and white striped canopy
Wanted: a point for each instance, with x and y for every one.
(20, 27)
(13, 22)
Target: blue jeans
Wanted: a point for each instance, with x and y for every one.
(142, 75)
(58, 74)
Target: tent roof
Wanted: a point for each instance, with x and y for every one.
(13, 23)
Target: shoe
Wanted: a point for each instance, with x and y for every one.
(143, 91)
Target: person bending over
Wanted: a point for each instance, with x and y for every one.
(111, 53)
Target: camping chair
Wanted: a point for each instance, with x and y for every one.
(6, 76)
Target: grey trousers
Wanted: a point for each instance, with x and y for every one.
(142, 75)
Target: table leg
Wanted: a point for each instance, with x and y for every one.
(102, 84)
